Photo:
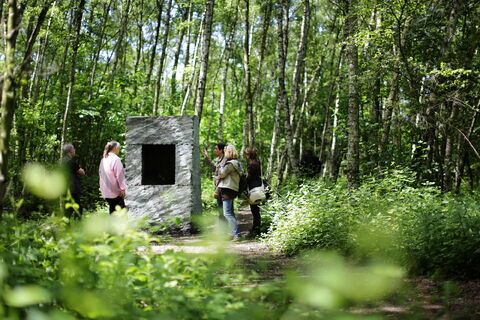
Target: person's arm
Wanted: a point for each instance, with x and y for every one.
(225, 170)
(120, 176)
(76, 169)
(209, 161)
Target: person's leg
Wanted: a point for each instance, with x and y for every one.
(230, 216)
(111, 205)
(120, 202)
(256, 219)
(221, 217)
(76, 198)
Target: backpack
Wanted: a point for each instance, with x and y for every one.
(242, 186)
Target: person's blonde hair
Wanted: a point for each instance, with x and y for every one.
(109, 147)
(230, 152)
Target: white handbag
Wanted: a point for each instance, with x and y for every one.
(257, 195)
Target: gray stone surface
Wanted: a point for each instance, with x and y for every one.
(161, 203)
(161, 130)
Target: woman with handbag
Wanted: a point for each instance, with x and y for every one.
(254, 180)
(228, 185)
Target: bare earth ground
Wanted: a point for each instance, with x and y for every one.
(422, 298)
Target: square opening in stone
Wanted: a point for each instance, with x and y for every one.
(158, 164)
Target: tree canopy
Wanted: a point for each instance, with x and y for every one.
(366, 85)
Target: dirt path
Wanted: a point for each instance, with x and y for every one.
(422, 299)
(255, 255)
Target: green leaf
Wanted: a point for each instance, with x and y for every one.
(43, 183)
(26, 296)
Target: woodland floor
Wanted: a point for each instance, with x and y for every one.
(421, 298)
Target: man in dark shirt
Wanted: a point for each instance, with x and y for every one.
(74, 172)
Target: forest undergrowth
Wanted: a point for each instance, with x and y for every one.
(353, 249)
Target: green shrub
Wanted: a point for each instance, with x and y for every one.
(442, 235)
(105, 268)
(315, 216)
(428, 232)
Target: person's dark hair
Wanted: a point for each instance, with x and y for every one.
(251, 153)
(67, 148)
(109, 147)
(221, 146)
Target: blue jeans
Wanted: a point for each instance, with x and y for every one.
(230, 216)
(221, 217)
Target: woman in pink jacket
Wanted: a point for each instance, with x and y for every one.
(112, 176)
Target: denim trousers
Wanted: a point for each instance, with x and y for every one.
(221, 217)
(230, 216)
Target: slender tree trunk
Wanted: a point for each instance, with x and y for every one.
(334, 72)
(298, 132)
(353, 144)
(265, 27)
(33, 93)
(2, 3)
(462, 152)
(282, 166)
(155, 42)
(187, 47)
(330, 169)
(391, 104)
(300, 61)
(93, 73)
(24, 93)
(223, 92)
(273, 142)
(202, 78)
(222, 101)
(120, 45)
(256, 92)
(138, 55)
(188, 89)
(397, 134)
(250, 127)
(448, 163)
(162, 60)
(173, 80)
(308, 88)
(283, 13)
(71, 84)
(8, 94)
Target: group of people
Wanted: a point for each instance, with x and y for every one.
(110, 172)
(227, 175)
(227, 171)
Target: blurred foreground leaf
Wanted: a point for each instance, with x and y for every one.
(44, 183)
(332, 282)
(26, 296)
(88, 303)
